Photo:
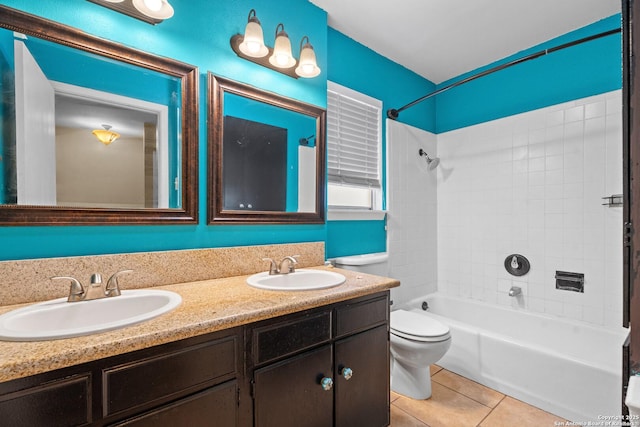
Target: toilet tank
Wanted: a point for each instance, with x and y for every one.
(376, 263)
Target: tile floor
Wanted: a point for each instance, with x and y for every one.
(459, 402)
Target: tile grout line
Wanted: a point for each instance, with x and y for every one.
(471, 398)
(504, 396)
(412, 416)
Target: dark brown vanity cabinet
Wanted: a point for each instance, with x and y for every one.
(189, 382)
(325, 367)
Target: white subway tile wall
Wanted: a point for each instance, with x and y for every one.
(412, 212)
(530, 184)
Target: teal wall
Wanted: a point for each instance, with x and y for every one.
(199, 34)
(357, 67)
(583, 70)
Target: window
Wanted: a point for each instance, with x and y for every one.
(354, 129)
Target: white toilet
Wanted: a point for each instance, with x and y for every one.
(417, 341)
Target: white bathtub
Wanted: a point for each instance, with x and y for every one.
(568, 368)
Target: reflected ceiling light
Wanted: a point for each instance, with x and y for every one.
(282, 56)
(114, 1)
(307, 66)
(251, 47)
(157, 9)
(253, 41)
(106, 136)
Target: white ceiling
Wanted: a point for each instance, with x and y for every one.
(441, 39)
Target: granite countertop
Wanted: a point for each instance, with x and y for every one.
(207, 306)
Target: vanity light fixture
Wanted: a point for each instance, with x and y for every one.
(282, 56)
(150, 11)
(307, 66)
(251, 47)
(106, 135)
(157, 9)
(253, 41)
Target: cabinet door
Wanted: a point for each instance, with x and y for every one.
(363, 398)
(289, 394)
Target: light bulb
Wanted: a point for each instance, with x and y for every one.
(307, 66)
(154, 5)
(253, 47)
(282, 57)
(156, 9)
(282, 60)
(253, 41)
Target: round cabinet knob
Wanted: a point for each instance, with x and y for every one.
(326, 383)
(347, 373)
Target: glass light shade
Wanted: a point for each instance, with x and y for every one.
(113, 1)
(105, 135)
(282, 56)
(307, 66)
(253, 41)
(157, 9)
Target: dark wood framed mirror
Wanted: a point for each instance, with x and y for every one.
(148, 176)
(266, 156)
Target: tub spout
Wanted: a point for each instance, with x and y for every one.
(515, 291)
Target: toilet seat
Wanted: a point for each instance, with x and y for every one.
(417, 327)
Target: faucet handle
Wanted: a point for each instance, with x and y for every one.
(113, 287)
(76, 291)
(273, 267)
(292, 263)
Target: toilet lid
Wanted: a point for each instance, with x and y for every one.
(417, 327)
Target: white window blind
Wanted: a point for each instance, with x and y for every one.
(353, 137)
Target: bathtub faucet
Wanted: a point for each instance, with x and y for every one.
(515, 291)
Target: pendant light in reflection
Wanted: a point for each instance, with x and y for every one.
(106, 135)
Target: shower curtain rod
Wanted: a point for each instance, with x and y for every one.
(393, 113)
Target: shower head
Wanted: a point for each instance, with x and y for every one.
(431, 163)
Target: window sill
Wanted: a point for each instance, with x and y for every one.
(355, 215)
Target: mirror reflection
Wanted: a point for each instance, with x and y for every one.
(266, 156)
(58, 102)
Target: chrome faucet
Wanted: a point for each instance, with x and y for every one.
(95, 290)
(285, 266)
(515, 291)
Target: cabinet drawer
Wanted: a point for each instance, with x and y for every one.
(362, 315)
(65, 402)
(287, 337)
(214, 406)
(168, 376)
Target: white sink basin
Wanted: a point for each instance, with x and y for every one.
(58, 318)
(300, 280)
